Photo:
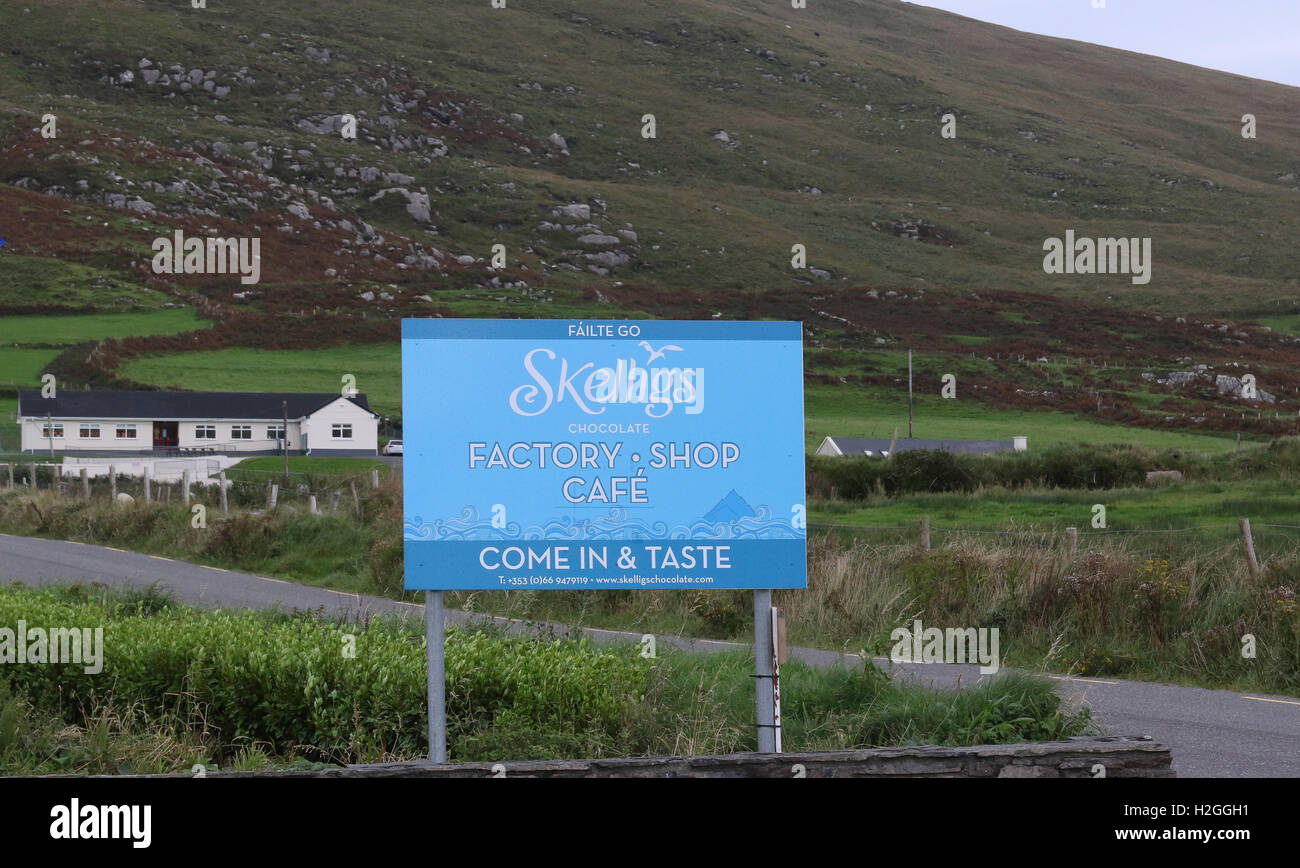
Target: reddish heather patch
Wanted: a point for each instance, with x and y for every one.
(1087, 337)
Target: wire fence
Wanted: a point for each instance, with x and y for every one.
(1043, 530)
(255, 490)
(1279, 537)
(235, 489)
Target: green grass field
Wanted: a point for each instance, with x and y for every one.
(73, 328)
(1215, 506)
(21, 368)
(377, 368)
(846, 411)
(265, 466)
(839, 410)
(1289, 323)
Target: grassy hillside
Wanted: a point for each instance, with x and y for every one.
(774, 127)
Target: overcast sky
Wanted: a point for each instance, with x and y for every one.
(1255, 38)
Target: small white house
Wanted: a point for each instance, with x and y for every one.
(101, 422)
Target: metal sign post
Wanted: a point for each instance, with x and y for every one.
(763, 675)
(435, 651)
(778, 657)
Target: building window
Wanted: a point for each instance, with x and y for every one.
(274, 432)
(125, 432)
(89, 431)
(341, 432)
(58, 430)
(241, 432)
(205, 432)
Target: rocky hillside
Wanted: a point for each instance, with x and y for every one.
(641, 158)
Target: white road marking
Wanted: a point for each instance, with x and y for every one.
(1085, 680)
(1263, 699)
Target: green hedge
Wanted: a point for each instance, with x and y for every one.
(285, 680)
(1064, 465)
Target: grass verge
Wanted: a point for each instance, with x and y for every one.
(178, 687)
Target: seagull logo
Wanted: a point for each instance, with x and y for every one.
(659, 353)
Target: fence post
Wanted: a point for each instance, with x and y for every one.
(85, 483)
(11, 475)
(32, 479)
(273, 497)
(112, 482)
(185, 486)
(334, 500)
(311, 504)
(1249, 540)
(224, 503)
(356, 501)
(1072, 533)
(374, 477)
(147, 491)
(925, 533)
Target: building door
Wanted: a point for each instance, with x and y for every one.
(166, 435)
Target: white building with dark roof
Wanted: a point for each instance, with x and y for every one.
(103, 422)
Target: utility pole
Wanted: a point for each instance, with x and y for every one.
(49, 429)
(909, 394)
(284, 437)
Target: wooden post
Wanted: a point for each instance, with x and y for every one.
(32, 479)
(225, 507)
(274, 496)
(1072, 534)
(356, 501)
(112, 482)
(334, 500)
(85, 483)
(1249, 540)
(374, 477)
(311, 504)
(147, 492)
(925, 532)
(185, 486)
(11, 475)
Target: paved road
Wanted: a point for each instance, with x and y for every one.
(1212, 733)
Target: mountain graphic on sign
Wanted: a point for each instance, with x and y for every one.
(730, 508)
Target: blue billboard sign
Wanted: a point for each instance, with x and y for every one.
(564, 454)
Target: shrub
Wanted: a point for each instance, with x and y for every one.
(285, 681)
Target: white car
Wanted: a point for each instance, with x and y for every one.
(393, 447)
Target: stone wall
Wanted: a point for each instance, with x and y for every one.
(1121, 757)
